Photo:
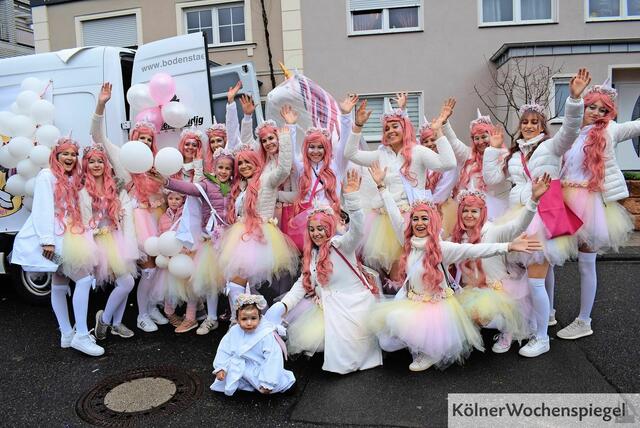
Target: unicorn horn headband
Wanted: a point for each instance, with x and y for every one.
(605, 89)
(480, 119)
(426, 125)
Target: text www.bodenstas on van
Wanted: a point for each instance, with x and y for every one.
(172, 61)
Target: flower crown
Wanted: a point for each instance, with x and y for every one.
(144, 124)
(240, 148)
(251, 299)
(323, 131)
(317, 210)
(68, 140)
(419, 202)
(222, 151)
(532, 106)
(604, 89)
(480, 119)
(91, 148)
(467, 193)
(266, 123)
(217, 127)
(396, 113)
(192, 132)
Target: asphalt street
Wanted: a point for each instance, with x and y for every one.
(41, 382)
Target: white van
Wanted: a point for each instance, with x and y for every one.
(76, 76)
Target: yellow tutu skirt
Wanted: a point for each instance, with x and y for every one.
(79, 254)
(381, 248)
(488, 304)
(208, 277)
(112, 257)
(305, 334)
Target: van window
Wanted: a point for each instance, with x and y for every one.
(126, 64)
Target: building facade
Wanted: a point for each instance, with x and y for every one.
(16, 33)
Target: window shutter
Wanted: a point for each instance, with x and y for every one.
(380, 4)
(116, 31)
(373, 127)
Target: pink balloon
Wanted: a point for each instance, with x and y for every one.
(153, 115)
(162, 88)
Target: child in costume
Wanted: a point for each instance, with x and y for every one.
(593, 184)
(335, 320)
(53, 240)
(107, 214)
(219, 133)
(250, 355)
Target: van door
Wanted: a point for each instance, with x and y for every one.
(225, 76)
(185, 59)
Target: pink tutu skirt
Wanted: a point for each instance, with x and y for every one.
(208, 277)
(114, 257)
(146, 223)
(258, 260)
(439, 328)
(79, 254)
(605, 226)
(380, 247)
(556, 250)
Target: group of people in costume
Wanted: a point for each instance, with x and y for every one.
(455, 236)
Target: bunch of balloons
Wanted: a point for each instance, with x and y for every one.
(166, 249)
(29, 124)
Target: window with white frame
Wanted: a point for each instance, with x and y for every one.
(612, 9)
(372, 130)
(384, 16)
(119, 30)
(223, 24)
(504, 12)
(560, 94)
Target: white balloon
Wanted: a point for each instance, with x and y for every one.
(33, 84)
(136, 157)
(25, 100)
(40, 156)
(139, 98)
(27, 169)
(15, 185)
(168, 244)
(29, 186)
(15, 109)
(23, 126)
(20, 147)
(47, 135)
(6, 160)
(27, 201)
(151, 246)
(181, 266)
(6, 119)
(175, 114)
(162, 262)
(168, 161)
(43, 112)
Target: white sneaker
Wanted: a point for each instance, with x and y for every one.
(577, 329)
(552, 319)
(122, 331)
(146, 324)
(65, 339)
(157, 317)
(536, 346)
(86, 343)
(503, 343)
(420, 363)
(207, 326)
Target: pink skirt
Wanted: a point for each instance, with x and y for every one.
(114, 257)
(146, 223)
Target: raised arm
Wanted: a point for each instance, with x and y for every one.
(246, 126)
(351, 150)
(492, 160)
(351, 239)
(231, 116)
(275, 177)
(445, 159)
(339, 162)
(290, 117)
(461, 151)
(453, 252)
(184, 187)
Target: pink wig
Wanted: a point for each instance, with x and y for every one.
(66, 187)
(105, 198)
(433, 178)
(597, 141)
(209, 162)
(262, 133)
(143, 186)
(473, 235)
(324, 266)
(425, 133)
(326, 175)
(139, 129)
(186, 136)
(432, 276)
(472, 167)
(252, 219)
(408, 141)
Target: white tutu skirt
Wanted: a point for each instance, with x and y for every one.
(380, 247)
(115, 257)
(305, 331)
(208, 277)
(79, 254)
(257, 259)
(441, 329)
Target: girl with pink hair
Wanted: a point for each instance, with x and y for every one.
(253, 249)
(334, 320)
(107, 214)
(147, 201)
(425, 315)
(493, 294)
(219, 133)
(407, 164)
(53, 240)
(534, 154)
(593, 185)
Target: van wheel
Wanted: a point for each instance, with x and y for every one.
(32, 287)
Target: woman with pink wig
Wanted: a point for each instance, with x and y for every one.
(107, 214)
(332, 299)
(535, 153)
(253, 249)
(53, 240)
(218, 134)
(407, 163)
(147, 200)
(425, 315)
(593, 185)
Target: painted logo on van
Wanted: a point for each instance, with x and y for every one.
(9, 204)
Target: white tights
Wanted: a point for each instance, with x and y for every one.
(144, 290)
(540, 301)
(588, 284)
(117, 302)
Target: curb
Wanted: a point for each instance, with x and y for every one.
(625, 254)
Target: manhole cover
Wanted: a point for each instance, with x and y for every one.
(136, 397)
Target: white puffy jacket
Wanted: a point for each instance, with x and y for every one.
(546, 158)
(615, 186)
